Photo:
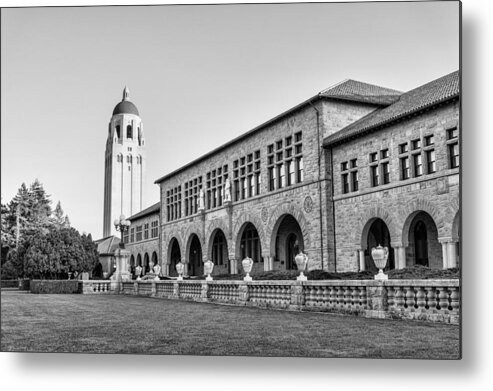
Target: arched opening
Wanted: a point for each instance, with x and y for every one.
(378, 234)
(195, 267)
(424, 248)
(147, 267)
(132, 265)
(129, 131)
(174, 257)
(219, 251)
(118, 134)
(250, 243)
(288, 241)
(139, 260)
(154, 258)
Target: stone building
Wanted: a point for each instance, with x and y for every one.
(354, 166)
(396, 180)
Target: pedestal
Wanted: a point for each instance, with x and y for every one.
(301, 277)
(122, 257)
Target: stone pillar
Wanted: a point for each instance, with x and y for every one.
(361, 260)
(452, 254)
(400, 257)
(445, 253)
(268, 263)
(233, 266)
(122, 258)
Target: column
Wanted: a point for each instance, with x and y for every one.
(400, 257)
(361, 260)
(452, 254)
(445, 254)
(233, 266)
(268, 263)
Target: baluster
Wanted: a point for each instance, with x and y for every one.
(362, 296)
(390, 296)
(354, 297)
(325, 295)
(339, 297)
(409, 298)
(431, 301)
(346, 297)
(420, 299)
(443, 298)
(313, 300)
(399, 298)
(454, 298)
(332, 297)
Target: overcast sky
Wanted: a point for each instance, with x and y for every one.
(199, 75)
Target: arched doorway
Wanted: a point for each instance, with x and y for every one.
(378, 234)
(288, 241)
(147, 267)
(424, 248)
(219, 251)
(250, 243)
(154, 258)
(132, 265)
(195, 267)
(174, 257)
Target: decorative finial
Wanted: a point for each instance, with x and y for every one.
(126, 93)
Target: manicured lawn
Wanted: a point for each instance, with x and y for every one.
(131, 324)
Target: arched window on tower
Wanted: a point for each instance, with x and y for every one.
(129, 131)
(118, 131)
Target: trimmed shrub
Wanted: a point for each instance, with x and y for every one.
(55, 286)
(9, 283)
(24, 284)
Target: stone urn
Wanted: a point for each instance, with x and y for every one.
(208, 267)
(301, 260)
(380, 255)
(247, 264)
(179, 269)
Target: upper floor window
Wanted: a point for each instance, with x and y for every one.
(173, 203)
(129, 131)
(453, 148)
(132, 235)
(412, 163)
(215, 183)
(154, 229)
(285, 162)
(138, 233)
(349, 176)
(379, 167)
(192, 190)
(246, 176)
(146, 231)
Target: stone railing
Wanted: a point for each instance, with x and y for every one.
(430, 300)
(97, 287)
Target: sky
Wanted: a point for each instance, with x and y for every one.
(199, 75)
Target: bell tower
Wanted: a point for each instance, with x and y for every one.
(124, 166)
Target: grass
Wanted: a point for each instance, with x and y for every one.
(132, 324)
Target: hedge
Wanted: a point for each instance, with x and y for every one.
(9, 283)
(55, 286)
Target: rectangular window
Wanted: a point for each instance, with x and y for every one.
(299, 169)
(290, 167)
(386, 173)
(345, 183)
(173, 203)
(431, 161)
(353, 163)
(282, 170)
(384, 153)
(154, 229)
(403, 148)
(132, 235)
(374, 175)
(281, 178)
(416, 144)
(373, 157)
(138, 236)
(354, 180)
(429, 140)
(146, 231)
(453, 155)
(418, 165)
(191, 196)
(405, 172)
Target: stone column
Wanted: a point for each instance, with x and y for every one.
(122, 257)
(361, 260)
(400, 256)
(452, 254)
(233, 266)
(445, 254)
(268, 263)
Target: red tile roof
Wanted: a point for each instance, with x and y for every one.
(427, 95)
(353, 90)
(155, 208)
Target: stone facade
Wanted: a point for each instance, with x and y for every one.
(329, 219)
(433, 196)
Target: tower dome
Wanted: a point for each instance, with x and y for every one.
(125, 106)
